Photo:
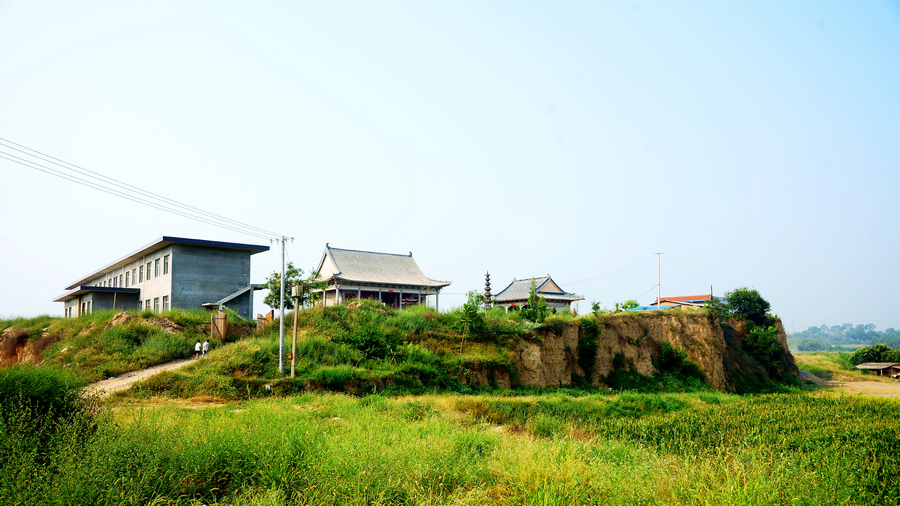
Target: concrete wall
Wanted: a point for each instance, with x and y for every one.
(104, 300)
(202, 274)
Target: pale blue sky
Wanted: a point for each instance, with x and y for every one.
(755, 144)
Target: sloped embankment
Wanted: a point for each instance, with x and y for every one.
(633, 342)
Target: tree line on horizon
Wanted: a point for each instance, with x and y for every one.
(823, 337)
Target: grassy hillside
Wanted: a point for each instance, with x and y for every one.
(94, 349)
(360, 347)
(835, 366)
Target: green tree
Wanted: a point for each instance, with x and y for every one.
(813, 345)
(628, 304)
(471, 317)
(536, 308)
(874, 353)
(747, 303)
(292, 276)
(718, 308)
(764, 345)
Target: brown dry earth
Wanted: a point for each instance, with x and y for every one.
(108, 386)
(873, 388)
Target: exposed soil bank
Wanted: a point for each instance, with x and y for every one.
(633, 341)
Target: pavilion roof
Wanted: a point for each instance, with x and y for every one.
(349, 265)
(545, 287)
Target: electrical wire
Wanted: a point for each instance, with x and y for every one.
(121, 184)
(132, 198)
(108, 185)
(645, 293)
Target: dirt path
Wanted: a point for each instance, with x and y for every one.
(875, 388)
(105, 387)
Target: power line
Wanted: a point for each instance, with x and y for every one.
(645, 293)
(121, 184)
(106, 184)
(132, 198)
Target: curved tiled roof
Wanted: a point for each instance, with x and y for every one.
(519, 289)
(348, 265)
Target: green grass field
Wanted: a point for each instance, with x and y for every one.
(560, 448)
(212, 433)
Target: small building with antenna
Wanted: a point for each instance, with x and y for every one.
(395, 280)
(169, 272)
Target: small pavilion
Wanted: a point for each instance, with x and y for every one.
(515, 296)
(392, 279)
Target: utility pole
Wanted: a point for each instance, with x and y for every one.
(295, 291)
(281, 320)
(283, 240)
(658, 280)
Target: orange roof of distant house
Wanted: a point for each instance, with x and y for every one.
(686, 298)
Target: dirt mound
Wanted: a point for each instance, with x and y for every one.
(11, 344)
(158, 321)
(812, 378)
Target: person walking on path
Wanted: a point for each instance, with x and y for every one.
(206, 347)
(197, 349)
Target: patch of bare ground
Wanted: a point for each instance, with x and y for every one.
(123, 382)
(199, 402)
(878, 387)
(874, 388)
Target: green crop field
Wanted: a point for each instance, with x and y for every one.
(229, 429)
(557, 448)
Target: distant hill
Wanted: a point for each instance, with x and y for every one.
(823, 338)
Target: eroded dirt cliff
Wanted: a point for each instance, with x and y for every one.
(632, 341)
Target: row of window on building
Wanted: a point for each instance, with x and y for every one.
(86, 306)
(136, 275)
(146, 304)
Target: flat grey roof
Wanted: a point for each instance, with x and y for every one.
(162, 242)
(877, 365)
(81, 290)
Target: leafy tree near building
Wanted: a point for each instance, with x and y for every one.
(292, 276)
(874, 353)
(536, 308)
(744, 303)
(747, 303)
(628, 304)
(471, 318)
